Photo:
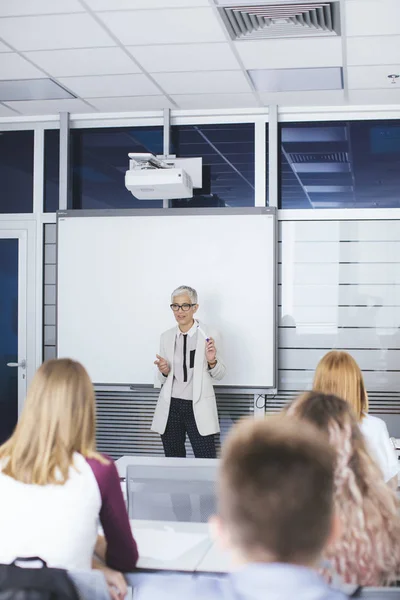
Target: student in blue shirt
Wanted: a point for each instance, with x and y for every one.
(275, 516)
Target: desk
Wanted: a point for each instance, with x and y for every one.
(171, 545)
(215, 561)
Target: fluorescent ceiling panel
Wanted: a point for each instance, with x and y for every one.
(314, 134)
(328, 189)
(288, 80)
(322, 167)
(32, 89)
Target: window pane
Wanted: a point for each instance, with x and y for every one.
(51, 169)
(228, 162)
(346, 164)
(99, 159)
(16, 171)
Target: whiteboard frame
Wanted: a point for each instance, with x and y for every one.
(173, 212)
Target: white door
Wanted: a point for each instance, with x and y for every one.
(13, 327)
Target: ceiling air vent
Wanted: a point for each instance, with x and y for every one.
(301, 19)
(310, 157)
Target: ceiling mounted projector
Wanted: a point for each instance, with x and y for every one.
(159, 178)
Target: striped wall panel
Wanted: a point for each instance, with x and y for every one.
(124, 420)
(339, 287)
(49, 291)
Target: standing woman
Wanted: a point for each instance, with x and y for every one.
(188, 364)
(338, 373)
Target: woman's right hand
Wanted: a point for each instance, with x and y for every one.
(116, 583)
(162, 365)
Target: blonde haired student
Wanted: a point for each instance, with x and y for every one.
(367, 552)
(54, 485)
(338, 373)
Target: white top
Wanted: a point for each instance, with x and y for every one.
(381, 448)
(59, 523)
(182, 385)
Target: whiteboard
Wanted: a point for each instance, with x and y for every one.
(116, 274)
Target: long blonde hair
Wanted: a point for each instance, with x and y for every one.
(58, 419)
(368, 549)
(338, 373)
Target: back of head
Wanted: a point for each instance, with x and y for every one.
(336, 418)
(368, 550)
(58, 419)
(338, 373)
(276, 490)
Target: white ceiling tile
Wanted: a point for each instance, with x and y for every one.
(187, 25)
(210, 82)
(390, 96)
(290, 53)
(189, 101)
(50, 32)
(49, 107)
(372, 77)
(13, 66)
(11, 8)
(314, 98)
(7, 112)
(85, 61)
(373, 50)
(185, 57)
(107, 86)
(140, 4)
(127, 104)
(372, 17)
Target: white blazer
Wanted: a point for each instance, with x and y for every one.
(204, 403)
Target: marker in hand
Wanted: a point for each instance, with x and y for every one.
(206, 337)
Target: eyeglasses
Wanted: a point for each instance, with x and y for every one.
(184, 307)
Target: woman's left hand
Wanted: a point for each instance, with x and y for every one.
(211, 352)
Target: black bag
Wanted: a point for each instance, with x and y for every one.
(27, 583)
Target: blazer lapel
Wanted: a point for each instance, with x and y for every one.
(171, 349)
(198, 366)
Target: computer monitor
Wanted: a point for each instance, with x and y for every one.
(171, 489)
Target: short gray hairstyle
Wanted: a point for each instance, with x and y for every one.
(185, 289)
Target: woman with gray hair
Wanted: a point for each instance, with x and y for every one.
(187, 365)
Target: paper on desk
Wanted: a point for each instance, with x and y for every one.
(159, 544)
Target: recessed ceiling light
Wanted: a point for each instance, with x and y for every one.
(32, 89)
(296, 80)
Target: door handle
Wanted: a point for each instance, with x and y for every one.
(21, 364)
